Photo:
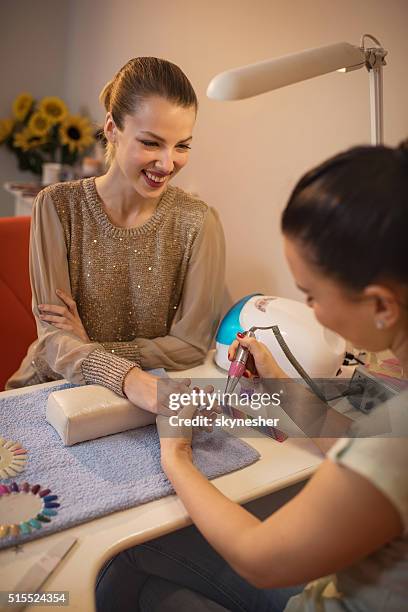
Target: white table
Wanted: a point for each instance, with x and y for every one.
(23, 205)
(280, 466)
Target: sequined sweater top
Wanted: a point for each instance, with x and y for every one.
(150, 295)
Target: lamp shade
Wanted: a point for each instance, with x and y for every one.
(261, 77)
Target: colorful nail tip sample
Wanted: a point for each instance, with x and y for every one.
(48, 512)
(41, 519)
(14, 530)
(13, 458)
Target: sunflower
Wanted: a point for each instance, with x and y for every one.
(26, 140)
(6, 127)
(53, 108)
(76, 132)
(22, 106)
(39, 124)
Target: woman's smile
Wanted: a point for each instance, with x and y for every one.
(154, 180)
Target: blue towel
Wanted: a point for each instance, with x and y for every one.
(101, 476)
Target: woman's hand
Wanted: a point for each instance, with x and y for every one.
(260, 361)
(175, 441)
(64, 317)
(176, 436)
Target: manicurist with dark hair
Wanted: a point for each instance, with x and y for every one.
(126, 269)
(344, 536)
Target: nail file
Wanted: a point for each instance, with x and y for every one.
(35, 577)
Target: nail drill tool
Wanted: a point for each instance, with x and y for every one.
(238, 365)
(236, 370)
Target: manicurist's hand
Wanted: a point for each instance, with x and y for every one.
(260, 362)
(175, 440)
(176, 433)
(64, 317)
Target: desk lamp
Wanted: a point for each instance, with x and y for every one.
(298, 327)
(255, 79)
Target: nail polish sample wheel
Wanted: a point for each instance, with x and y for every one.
(13, 458)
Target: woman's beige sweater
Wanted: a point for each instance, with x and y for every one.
(150, 295)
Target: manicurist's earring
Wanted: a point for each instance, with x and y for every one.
(379, 323)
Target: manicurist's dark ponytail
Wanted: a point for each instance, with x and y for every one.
(351, 215)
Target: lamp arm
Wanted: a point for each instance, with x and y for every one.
(268, 75)
(255, 79)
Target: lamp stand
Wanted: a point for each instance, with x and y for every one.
(374, 59)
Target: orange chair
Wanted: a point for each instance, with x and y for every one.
(17, 326)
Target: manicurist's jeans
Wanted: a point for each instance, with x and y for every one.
(180, 572)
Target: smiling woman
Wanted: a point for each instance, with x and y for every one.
(127, 271)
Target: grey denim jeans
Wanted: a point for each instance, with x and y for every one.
(181, 572)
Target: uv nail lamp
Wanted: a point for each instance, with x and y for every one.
(319, 350)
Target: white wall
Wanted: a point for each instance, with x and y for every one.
(33, 45)
(247, 155)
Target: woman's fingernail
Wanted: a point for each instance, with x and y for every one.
(240, 335)
(246, 374)
(229, 357)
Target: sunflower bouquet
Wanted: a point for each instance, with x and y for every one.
(45, 132)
